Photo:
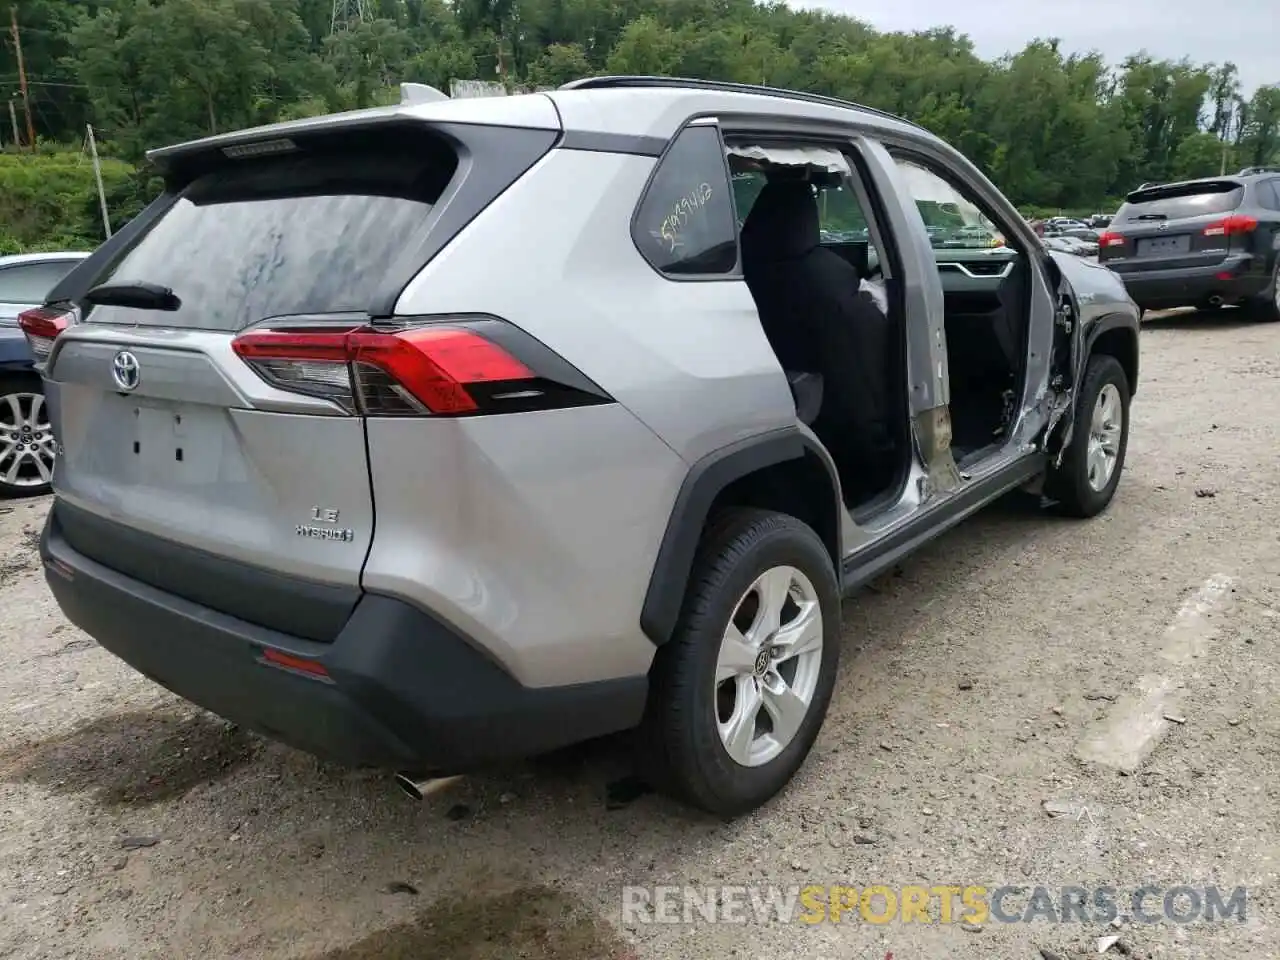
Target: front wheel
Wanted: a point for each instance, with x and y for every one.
(26, 438)
(1087, 478)
(739, 693)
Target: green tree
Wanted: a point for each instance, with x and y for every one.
(1224, 98)
(559, 63)
(646, 47)
(1201, 155)
(1161, 104)
(1259, 143)
(367, 58)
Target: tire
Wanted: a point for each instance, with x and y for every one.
(1069, 485)
(683, 752)
(1267, 306)
(21, 396)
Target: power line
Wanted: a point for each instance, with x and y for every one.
(44, 83)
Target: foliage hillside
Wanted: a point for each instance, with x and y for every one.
(1056, 131)
(49, 201)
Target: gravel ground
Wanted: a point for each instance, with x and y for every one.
(132, 825)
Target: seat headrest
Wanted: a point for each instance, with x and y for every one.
(783, 222)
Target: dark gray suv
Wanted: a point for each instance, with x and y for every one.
(1201, 243)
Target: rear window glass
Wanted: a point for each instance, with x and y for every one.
(296, 234)
(1188, 200)
(31, 282)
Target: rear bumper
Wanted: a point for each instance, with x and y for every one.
(1233, 280)
(403, 691)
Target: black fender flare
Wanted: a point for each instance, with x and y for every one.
(1108, 323)
(706, 479)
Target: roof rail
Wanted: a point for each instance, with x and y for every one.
(1251, 171)
(623, 82)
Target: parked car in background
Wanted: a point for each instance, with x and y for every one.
(1088, 234)
(1100, 221)
(1205, 243)
(369, 504)
(26, 443)
(1073, 245)
(1088, 246)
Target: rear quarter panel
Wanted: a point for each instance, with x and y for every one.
(554, 255)
(536, 534)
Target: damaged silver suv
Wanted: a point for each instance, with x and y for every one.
(431, 436)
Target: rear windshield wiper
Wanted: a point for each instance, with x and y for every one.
(140, 296)
(1152, 216)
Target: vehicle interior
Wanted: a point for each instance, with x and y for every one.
(987, 309)
(814, 268)
(810, 263)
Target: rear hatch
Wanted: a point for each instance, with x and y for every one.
(234, 478)
(1174, 226)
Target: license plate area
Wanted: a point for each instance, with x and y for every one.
(175, 444)
(1164, 246)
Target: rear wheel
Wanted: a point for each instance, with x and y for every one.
(739, 693)
(26, 438)
(1085, 482)
(1267, 306)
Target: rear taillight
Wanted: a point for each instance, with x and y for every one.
(439, 368)
(42, 326)
(1110, 239)
(1229, 226)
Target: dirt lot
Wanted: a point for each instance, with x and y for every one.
(134, 826)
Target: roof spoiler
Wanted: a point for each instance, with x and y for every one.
(411, 93)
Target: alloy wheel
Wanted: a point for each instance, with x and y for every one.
(27, 447)
(1104, 437)
(768, 666)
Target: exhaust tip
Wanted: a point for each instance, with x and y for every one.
(409, 786)
(1215, 301)
(419, 786)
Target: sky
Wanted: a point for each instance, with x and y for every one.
(1248, 34)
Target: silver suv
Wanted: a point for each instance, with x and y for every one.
(436, 435)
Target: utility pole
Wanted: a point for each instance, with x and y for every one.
(97, 173)
(22, 75)
(1226, 139)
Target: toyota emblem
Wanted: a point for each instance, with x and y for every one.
(124, 370)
